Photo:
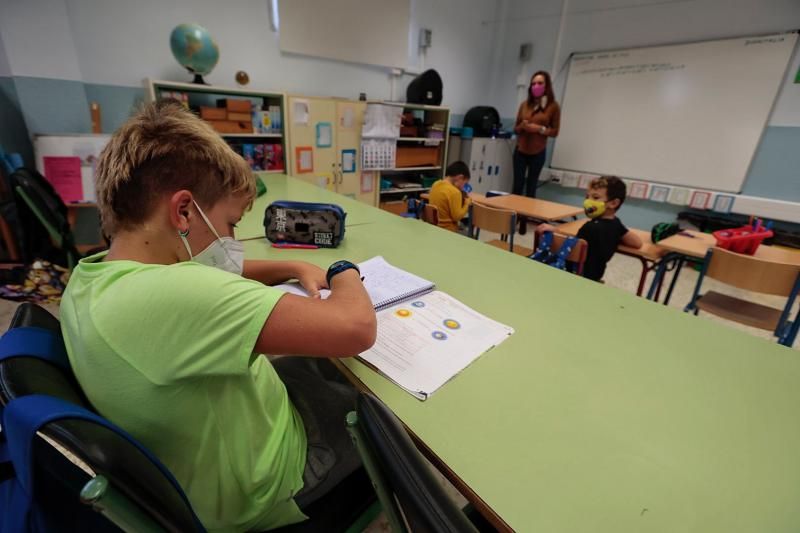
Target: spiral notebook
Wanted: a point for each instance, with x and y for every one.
(425, 337)
(385, 284)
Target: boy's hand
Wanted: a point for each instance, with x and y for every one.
(541, 228)
(311, 277)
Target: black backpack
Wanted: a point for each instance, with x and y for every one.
(43, 229)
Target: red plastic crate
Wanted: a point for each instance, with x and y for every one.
(744, 240)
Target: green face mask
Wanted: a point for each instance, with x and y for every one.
(594, 208)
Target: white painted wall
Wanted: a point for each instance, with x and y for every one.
(118, 42)
(5, 69)
(38, 39)
(607, 24)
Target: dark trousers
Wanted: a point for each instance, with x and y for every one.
(322, 397)
(526, 172)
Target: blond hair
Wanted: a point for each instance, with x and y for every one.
(162, 149)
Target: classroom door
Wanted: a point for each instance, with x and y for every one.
(312, 140)
(349, 179)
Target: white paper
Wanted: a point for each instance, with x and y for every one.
(324, 134)
(700, 200)
(659, 193)
(300, 112)
(382, 121)
(638, 190)
(348, 162)
(678, 196)
(426, 341)
(348, 117)
(306, 160)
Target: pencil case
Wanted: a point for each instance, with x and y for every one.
(304, 223)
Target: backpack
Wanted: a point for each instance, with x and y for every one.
(37, 205)
(662, 230)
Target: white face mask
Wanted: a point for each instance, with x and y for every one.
(225, 253)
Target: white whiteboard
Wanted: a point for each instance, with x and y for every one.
(689, 114)
(373, 32)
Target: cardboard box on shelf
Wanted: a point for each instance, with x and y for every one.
(232, 126)
(235, 105)
(239, 117)
(417, 156)
(212, 113)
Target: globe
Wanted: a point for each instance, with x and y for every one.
(194, 49)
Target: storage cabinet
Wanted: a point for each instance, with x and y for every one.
(327, 132)
(490, 163)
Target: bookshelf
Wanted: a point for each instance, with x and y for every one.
(264, 150)
(420, 158)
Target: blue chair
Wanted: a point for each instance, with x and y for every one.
(128, 487)
(749, 273)
(38, 393)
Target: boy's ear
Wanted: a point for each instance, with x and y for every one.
(614, 204)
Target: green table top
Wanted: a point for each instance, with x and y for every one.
(279, 187)
(604, 411)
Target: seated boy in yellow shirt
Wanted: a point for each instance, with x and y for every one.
(449, 197)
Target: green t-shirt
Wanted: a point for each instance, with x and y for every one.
(166, 352)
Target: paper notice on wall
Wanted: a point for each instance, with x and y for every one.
(64, 174)
(300, 112)
(348, 118)
(700, 200)
(367, 182)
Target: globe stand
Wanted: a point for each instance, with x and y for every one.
(198, 79)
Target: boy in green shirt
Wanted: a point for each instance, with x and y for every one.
(168, 347)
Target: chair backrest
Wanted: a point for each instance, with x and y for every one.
(751, 273)
(126, 464)
(430, 214)
(578, 254)
(25, 375)
(500, 221)
(419, 496)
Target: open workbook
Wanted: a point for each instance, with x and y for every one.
(425, 337)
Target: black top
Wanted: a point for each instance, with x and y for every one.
(603, 236)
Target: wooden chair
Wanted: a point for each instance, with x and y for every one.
(751, 274)
(578, 254)
(500, 221)
(430, 214)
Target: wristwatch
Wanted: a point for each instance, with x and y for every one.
(543, 129)
(337, 268)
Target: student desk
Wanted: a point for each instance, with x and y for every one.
(681, 247)
(533, 207)
(602, 412)
(649, 254)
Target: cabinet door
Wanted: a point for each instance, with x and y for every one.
(349, 119)
(305, 117)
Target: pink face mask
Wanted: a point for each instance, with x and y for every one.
(537, 91)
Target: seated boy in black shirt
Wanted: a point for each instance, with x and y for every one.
(604, 232)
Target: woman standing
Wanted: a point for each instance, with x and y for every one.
(537, 119)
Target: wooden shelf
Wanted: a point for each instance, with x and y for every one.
(396, 190)
(213, 89)
(404, 169)
(251, 135)
(420, 139)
